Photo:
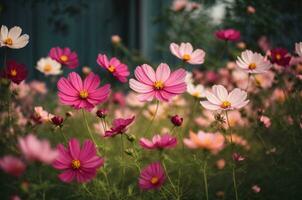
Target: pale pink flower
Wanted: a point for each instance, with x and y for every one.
(161, 85)
(164, 141)
(116, 39)
(38, 86)
(251, 9)
(35, 149)
(100, 128)
(298, 48)
(265, 80)
(220, 99)
(253, 63)
(41, 114)
(185, 52)
(82, 94)
(264, 44)
(266, 121)
(213, 142)
(256, 189)
(278, 95)
(12, 165)
(132, 100)
(238, 140)
(178, 5)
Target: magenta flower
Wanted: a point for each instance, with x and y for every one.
(280, 56)
(228, 34)
(114, 66)
(165, 141)
(64, 56)
(15, 72)
(161, 85)
(152, 177)
(185, 52)
(37, 150)
(12, 165)
(76, 163)
(82, 94)
(119, 126)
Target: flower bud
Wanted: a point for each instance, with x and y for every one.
(57, 120)
(68, 114)
(176, 120)
(102, 113)
(237, 157)
(130, 152)
(131, 137)
(116, 39)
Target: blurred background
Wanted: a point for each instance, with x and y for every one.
(147, 27)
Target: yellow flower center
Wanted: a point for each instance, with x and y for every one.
(83, 94)
(13, 72)
(186, 57)
(225, 104)
(64, 58)
(196, 94)
(47, 68)
(154, 180)
(8, 41)
(252, 66)
(75, 164)
(278, 56)
(158, 85)
(111, 68)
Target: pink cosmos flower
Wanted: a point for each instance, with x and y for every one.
(266, 121)
(76, 162)
(82, 94)
(159, 142)
(213, 142)
(64, 56)
(162, 84)
(185, 52)
(253, 63)
(152, 177)
(35, 149)
(228, 34)
(256, 189)
(114, 66)
(119, 126)
(220, 99)
(12, 165)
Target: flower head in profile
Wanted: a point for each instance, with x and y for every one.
(280, 56)
(15, 72)
(228, 34)
(64, 56)
(114, 66)
(82, 94)
(12, 38)
(298, 48)
(213, 142)
(185, 52)
(220, 99)
(12, 165)
(152, 177)
(253, 63)
(164, 141)
(40, 115)
(119, 126)
(48, 66)
(161, 85)
(37, 150)
(196, 91)
(80, 164)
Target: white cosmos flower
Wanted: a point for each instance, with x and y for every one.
(220, 99)
(49, 66)
(298, 47)
(253, 63)
(12, 38)
(189, 78)
(197, 91)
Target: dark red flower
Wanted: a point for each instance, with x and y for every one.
(237, 157)
(57, 120)
(280, 56)
(15, 72)
(119, 126)
(102, 113)
(228, 34)
(177, 120)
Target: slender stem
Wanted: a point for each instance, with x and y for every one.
(170, 180)
(61, 130)
(153, 118)
(89, 131)
(205, 179)
(232, 150)
(248, 82)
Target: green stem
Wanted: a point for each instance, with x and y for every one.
(205, 180)
(61, 130)
(153, 118)
(170, 180)
(234, 181)
(89, 131)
